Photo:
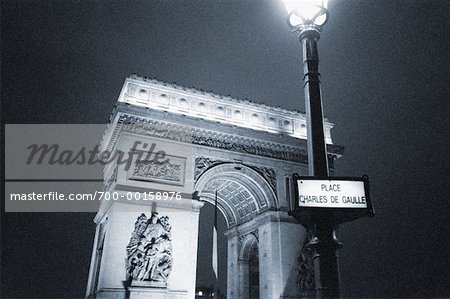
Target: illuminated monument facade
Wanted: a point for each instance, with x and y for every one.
(246, 152)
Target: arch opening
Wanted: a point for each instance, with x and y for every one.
(249, 267)
(242, 193)
(207, 281)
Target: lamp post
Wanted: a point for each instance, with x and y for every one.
(308, 17)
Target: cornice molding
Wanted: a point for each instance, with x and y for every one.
(157, 95)
(148, 122)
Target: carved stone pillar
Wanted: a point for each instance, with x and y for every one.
(244, 281)
(278, 254)
(233, 285)
(173, 275)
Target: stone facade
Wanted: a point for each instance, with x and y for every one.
(246, 152)
(153, 94)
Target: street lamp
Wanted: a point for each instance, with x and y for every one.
(306, 13)
(308, 17)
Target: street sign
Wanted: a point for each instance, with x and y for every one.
(331, 194)
(346, 198)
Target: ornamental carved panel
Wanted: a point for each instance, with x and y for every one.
(170, 171)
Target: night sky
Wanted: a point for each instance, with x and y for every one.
(385, 68)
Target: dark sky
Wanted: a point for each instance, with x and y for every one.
(385, 68)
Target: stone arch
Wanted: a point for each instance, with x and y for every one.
(209, 152)
(247, 245)
(249, 267)
(242, 193)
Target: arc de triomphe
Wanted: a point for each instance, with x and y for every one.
(246, 152)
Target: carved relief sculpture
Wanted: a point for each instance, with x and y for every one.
(165, 170)
(305, 271)
(149, 252)
(171, 171)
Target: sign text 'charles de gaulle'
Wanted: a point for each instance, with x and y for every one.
(331, 192)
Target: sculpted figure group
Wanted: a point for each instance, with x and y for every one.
(149, 252)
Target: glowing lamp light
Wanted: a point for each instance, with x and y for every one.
(306, 13)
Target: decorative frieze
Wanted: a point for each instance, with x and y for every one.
(170, 171)
(148, 127)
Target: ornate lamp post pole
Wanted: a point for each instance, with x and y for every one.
(308, 17)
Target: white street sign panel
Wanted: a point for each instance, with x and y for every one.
(331, 194)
